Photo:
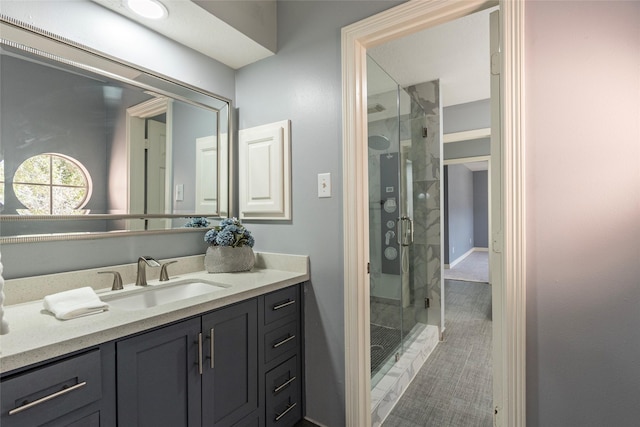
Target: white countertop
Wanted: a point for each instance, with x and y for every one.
(36, 335)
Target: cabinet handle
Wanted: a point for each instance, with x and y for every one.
(286, 411)
(47, 398)
(200, 353)
(284, 341)
(283, 305)
(284, 384)
(211, 335)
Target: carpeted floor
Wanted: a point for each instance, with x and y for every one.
(454, 386)
(474, 268)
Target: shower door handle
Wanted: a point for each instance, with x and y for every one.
(405, 231)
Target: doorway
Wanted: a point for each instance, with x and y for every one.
(508, 236)
(149, 170)
(466, 213)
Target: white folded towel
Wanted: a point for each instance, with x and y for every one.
(74, 303)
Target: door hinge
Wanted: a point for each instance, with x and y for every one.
(496, 417)
(497, 242)
(147, 144)
(427, 303)
(425, 132)
(496, 59)
(368, 268)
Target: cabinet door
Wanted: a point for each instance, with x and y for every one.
(158, 378)
(230, 379)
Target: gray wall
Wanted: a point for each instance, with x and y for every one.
(463, 149)
(459, 212)
(468, 116)
(303, 83)
(480, 209)
(463, 117)
(583, 213)
(81, 21)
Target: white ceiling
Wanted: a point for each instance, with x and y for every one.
(456, 52)
(477, 166)
(192, 26)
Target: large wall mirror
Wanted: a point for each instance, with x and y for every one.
(89, 145)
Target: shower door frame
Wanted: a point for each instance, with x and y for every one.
(510, 307)
(403, 233)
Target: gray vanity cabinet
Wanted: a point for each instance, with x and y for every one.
(281, 367)
(198, 372)
(74, 391)
(230, 369)
(158, 381)
(237, 366)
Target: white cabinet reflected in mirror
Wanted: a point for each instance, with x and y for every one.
(91, 145)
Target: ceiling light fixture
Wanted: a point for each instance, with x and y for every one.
(151, 9)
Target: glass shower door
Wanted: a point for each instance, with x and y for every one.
(384, 212)
(395, 134)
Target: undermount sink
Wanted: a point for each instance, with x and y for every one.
(155, 295)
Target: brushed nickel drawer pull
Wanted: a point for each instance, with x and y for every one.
(211, 335)
(47, 398)
(285, 384)
(283, 305)
(284, 341)
(200, 353)
(286, 411)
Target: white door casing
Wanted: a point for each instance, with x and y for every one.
(156, 170)
(407, 18)
(135, 133)
(496, 225)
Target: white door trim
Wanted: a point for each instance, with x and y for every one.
(394, 23)
(135, 116)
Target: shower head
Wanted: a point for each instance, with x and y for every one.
(379, 142)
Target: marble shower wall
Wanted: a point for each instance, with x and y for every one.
(426, 158)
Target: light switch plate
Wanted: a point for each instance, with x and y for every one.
(324, 185)
(179, 192)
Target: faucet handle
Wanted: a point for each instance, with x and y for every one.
(117, 280)
(164, 275)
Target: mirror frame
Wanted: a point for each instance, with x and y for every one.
(25, 37)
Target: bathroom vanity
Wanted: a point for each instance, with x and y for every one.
(232, 357)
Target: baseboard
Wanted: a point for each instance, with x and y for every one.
(460, 258)
(463, 256)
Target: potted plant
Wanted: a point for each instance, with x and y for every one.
(230, 247)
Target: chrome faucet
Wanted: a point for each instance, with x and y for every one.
(141, 278)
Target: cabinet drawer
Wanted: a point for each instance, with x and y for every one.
(284, 379)
(283, 405)
(281, 304)
(280, 341)
(49, 392)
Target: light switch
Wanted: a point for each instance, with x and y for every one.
(324, 185)
(179, 192)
